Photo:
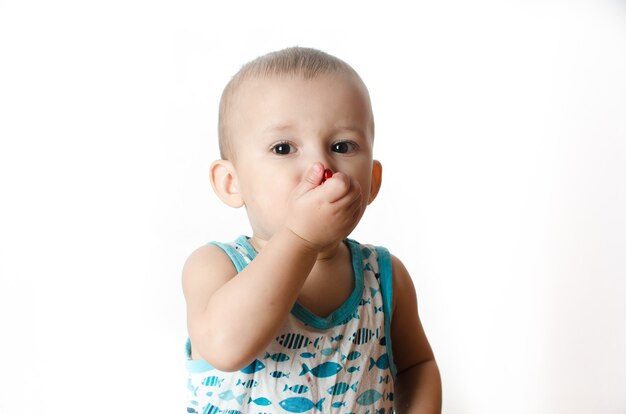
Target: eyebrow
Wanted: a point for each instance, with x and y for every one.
(283, 127)
(352, 128)
(277, 127)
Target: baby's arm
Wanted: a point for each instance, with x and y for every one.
(232, 319)
(418, 383)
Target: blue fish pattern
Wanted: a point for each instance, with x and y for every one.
(212, 381)
(300, 404)
(327, 369)
(229, 395)
(342, 388)
(363, 335)
(296, 341)
(329, 351)
(382, 362)
(279, 357)
(279, 374)
(248, 384)
(343, 368)
(369, 397)
(353, 355)
(260, 401)
(255, 366)
(298, 389)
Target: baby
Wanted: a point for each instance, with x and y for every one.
(298, 317)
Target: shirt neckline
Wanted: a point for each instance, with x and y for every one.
(343, 312)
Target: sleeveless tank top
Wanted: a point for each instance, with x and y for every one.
(339, 364)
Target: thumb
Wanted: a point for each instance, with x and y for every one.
(312, 178)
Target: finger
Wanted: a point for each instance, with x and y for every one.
(337, 187)
(354, 201)
(311, 179)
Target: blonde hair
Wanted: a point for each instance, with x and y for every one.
(302, 62)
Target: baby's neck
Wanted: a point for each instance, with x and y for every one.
(330, 282)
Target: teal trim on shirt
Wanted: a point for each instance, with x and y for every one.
(235, 257)
(348, 307)
(195, 365)
(339, 315)
(386, 286)
(303, 314)
(244, 242)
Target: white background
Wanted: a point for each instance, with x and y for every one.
(501, 126)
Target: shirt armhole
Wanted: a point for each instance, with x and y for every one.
(235, 257)
(199, 365)
(386, 287)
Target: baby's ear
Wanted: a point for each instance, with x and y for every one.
(224, 183)
(377, 179)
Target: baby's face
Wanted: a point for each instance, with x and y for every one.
(281, 126)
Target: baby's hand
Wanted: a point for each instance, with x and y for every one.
(323, 215)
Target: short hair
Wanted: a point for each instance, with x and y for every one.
(306, 63)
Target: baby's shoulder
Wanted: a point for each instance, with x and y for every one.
(208, 264)
(207, 255)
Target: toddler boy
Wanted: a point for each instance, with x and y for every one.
(298, 317)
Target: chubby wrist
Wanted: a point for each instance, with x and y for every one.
(299, 242)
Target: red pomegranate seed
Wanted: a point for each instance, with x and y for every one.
(327, 174)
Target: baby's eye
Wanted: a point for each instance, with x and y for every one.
(343, 147)
(282, 148)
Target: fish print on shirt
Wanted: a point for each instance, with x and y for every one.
(381, 363)
(279, 357)
(255, 366)
(342, 388)
(296, 341)
(340, 370)
(300, 404)
(327, 369)
(363, 335)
